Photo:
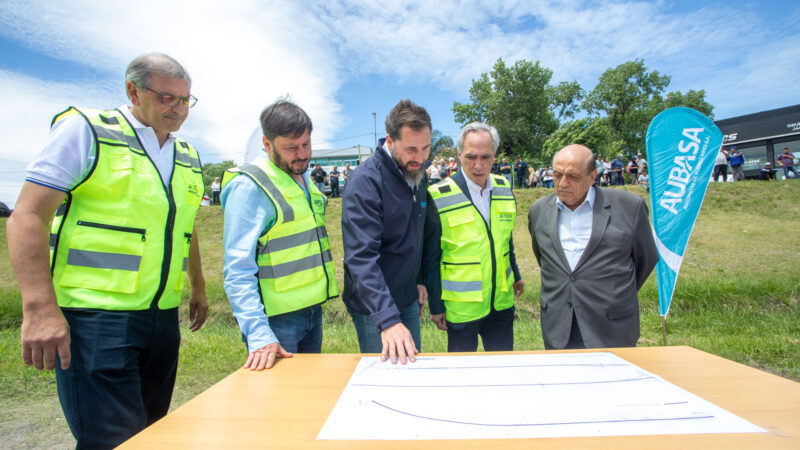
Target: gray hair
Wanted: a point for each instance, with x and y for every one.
(143, 66)
(284, 118)
(475, 127)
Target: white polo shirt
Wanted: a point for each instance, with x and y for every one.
(69, 152)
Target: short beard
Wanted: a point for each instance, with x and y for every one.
(286, 166)
(412, 177)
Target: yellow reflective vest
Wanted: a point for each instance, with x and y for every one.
(120, 241)
(475, 265)
(295, 268)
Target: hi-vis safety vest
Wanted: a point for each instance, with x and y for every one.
(475, 265)
(120, 241)
(295, 268)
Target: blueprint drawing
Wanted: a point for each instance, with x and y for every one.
(518, 396)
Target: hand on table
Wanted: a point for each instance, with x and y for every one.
(264, 357)
(398, 344)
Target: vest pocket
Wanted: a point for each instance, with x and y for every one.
(461, 279)
(104, 257)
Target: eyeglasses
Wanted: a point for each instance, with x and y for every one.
(172, 100)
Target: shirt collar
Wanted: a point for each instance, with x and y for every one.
(589, 200)
(126, 111)
(475, 187)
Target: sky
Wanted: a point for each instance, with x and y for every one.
(341, 61)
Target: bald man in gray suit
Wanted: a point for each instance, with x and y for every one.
(595, 249)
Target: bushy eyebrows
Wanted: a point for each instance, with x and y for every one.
(474, 155)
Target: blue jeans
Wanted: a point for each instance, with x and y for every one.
(788, 169)
(369, 338)
(122, 373)
(299, 331)
(321, 187)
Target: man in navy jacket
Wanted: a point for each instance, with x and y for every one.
(383, 217)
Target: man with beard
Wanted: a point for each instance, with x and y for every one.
(383, 217)
(278, 266)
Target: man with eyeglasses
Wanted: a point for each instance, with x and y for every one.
(101, 306)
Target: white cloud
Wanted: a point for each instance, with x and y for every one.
(244, 55)
(241, 58)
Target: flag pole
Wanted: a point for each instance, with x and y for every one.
(664, 329)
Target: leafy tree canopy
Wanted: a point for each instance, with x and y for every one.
(516, 100)
(213, 170)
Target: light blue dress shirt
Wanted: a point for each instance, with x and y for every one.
(575, 228)
(248, 213)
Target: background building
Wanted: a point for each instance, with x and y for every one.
(762, 136)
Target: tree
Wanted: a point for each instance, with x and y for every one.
(213, 170)
(566, 97)
(591, 132)
(516, 100)
(439, 142)
(626, 96)
(692, 99)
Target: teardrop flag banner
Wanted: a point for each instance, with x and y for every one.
(682, 145)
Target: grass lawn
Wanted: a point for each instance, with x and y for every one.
(738, 296)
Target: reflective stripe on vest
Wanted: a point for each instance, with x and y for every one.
(475, 267)
(121, 239)
(102, 260)
(294, 240)
(295, 268)
(291, 267)
(263, 180)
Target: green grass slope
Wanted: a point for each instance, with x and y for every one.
(737, 297)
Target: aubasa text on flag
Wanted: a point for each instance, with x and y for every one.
(682, 145)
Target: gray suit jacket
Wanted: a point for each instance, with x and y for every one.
(602, 291)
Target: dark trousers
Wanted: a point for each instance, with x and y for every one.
(122, 373)
(215, 197)
(496, 331)
(575, 337)
(619, 180)
(721, 169)
(334, 189)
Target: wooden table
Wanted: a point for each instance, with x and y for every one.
(286, 407)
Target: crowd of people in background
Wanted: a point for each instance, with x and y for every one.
(521, 175)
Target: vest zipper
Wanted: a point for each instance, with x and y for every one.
(103, 226)
(168, 229)
(319, 243)
(188, 237)
(491, 251)
(460, 264)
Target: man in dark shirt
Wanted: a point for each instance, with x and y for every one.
(786, 160)
(383, 221)
(333, 177)
(318, 174)
(521, 170)
(767, 173)
(505, 170)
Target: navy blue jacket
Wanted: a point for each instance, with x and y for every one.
(431, 264)
(382, 232)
